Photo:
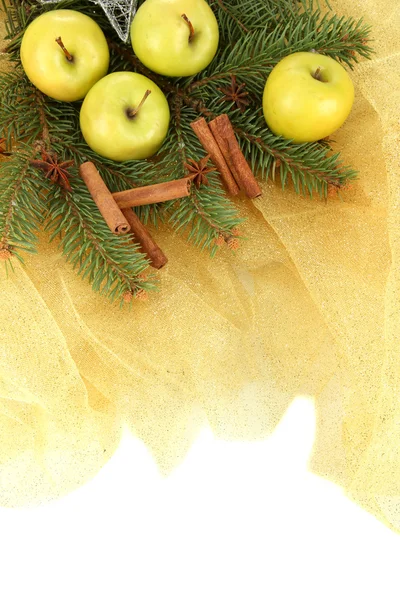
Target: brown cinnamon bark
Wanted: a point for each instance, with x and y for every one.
(225, 137)
(211, 146)
(143, 237)
(103, 198)
(151, 194)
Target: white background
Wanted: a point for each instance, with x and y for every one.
(235, 521)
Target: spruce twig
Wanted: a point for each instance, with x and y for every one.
(254, 36)
(114, 266)
(21, 204)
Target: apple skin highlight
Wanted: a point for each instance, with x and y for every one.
(105, 122)
(307, 97)
(162, 38)
(45, 63)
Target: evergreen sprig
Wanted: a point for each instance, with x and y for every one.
(308, 26)
(21, 205)
(254, 36)
(112, 265)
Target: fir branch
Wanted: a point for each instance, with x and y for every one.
(254, 36)
(122, 58)
(113, 265)
(231, 15)
(254, 54)
(117, 177)
(345, 40)
(43, 119)
(237, 17)
(251, 59)
(21, 204)
(310, 166)
(207, 212)
(21, 108)
(18, 16)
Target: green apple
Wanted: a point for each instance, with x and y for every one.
(307, 97)
(176, 38)
(64, 53)
(125, 116)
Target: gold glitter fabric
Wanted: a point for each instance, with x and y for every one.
(310, 304)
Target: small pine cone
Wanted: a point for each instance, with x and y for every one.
(219, 241)
(141, 295)
(127, 296)
(5, 254)
(235, 232)
(332, 191)
(233, 243)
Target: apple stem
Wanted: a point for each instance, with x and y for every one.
(132, 112)
(317, 74)
(69, 56)
(191, 28)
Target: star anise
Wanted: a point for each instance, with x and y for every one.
(198, 170)
(235, 93)
(54, 170)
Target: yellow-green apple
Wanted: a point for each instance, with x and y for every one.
(64, 53)
(175, 37)
(307, 97)
(125, 116)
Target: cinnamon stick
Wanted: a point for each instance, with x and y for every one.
(103, 198)
(151, 194)
(209, 143)
(143, 237)
(224, 134)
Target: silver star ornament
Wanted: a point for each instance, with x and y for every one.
(119, 12)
